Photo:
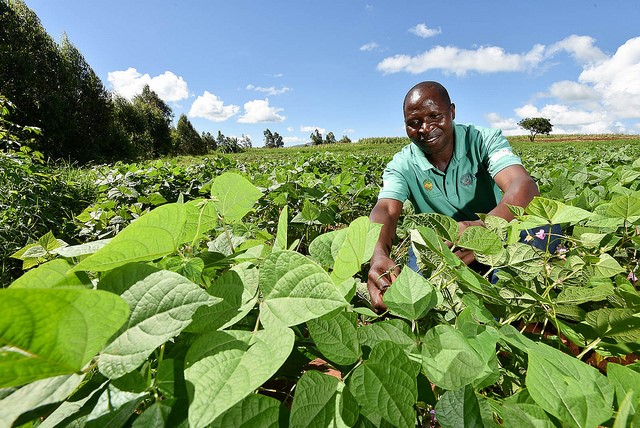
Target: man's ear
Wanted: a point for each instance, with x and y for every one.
(453, 111)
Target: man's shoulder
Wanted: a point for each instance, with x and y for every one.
(476, 132)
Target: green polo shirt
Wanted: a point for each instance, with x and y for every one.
(466, 188)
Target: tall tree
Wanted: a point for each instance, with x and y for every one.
(272, 139)
(156, 117)
(209, 141)
(186, 139)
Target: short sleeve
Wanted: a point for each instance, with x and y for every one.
(499, 153)
(394, 185)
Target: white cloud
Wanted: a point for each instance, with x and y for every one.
(569, 91)
(209, 106)
(580, 47)
(349, 131)
(421, 30)
(259, 111)
(369, 47)
(313, 129)
(454, 60)
(130, 82)
(617, 80)
(272, 90)
(293, 140)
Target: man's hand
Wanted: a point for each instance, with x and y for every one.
(382, 273)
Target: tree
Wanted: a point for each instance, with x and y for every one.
(344, 140)
(536, 125)
(245, 141)
(186, 139)
(316, 138)
(272, 139)
(156, 117)
(330, 138)
(209, 141)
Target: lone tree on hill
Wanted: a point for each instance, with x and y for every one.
(536, 125)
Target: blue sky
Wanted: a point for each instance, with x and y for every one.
(242, 66)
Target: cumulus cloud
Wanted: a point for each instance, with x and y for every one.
(454, 60)
(271, 90)
(580, 47)
(368, 47)
(569, 91)
(259, 111)
(289, 141)
(209, 106)
(421, 30)
(305, 128)
(130, 82)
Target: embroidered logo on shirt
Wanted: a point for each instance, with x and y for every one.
(467, 179)
(428, 186)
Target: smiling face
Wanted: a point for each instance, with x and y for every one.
(428, 118)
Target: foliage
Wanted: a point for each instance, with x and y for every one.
(241, 314)
(536, 125)
(272, 140)
(54, 88)
(316, 138)
(186, 139)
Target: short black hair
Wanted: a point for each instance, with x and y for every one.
(437, 87)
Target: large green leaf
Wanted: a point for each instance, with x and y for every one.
(150, 237)
(569, 389)
(322, 401)
(458, 409)
(625, 206)
(393, 330)
(336, 337)
(521, 411)
(607, 266)
(444, 226)
(556, 212)
(320, 247)
(162, 304)
(625, 381)
(52, 274)
(234, 196)
(283, 224)
(525, 260)
(480, 239)
(385, 385)
(254, 411)
(357, 249)
(411, 295)
(620, 324)
(37, 394)
(51, 332)
(224, 367)
(448, 360)
(295, 289)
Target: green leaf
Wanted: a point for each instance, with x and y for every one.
(150, 237)
(386, 385)
(37, 394)
(113, 408)
(578, 295)
(336, 337)
(295, 290)
(82, 249)
(459, 408)
(521, 411)
(620, 324)
(52, 274)
(626, 382)
(357, 248)
(626, 207)
(396, 331)
(322, 401)
(411, 295)
(525, 260)
(254, 411)
(162, 304)
(555, 212)
(238, 290)
(444, 226)
(224, 367)
(567, 388)
(154, 416)
(480, 239)
(320, 247)
(448, 360)
(51, 332)
(281, 237)
(234, 196)
(607, 266)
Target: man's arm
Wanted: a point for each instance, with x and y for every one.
(383, 270)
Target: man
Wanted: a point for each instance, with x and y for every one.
(451, 169)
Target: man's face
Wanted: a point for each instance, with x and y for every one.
(429, 120)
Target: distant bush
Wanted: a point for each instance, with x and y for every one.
(384, 140)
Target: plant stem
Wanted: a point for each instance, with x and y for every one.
(589, 347)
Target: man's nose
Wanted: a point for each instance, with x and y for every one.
(427, 126)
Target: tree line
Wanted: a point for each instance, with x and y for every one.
(50, 86)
